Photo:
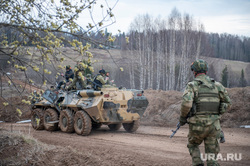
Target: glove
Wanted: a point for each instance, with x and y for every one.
(183, 121)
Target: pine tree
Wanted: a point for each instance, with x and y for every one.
(211, 72)
(243, 81)
(224, 77)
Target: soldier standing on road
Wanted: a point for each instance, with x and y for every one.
(208, 100)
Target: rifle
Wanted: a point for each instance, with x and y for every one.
(95, 84)
(174, 131)
(190, 114)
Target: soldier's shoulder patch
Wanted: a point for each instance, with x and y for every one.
(218, 85)
(191, 83)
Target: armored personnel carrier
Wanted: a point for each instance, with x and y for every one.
(84, 110)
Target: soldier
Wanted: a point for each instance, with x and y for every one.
(79, 80)
(208, 100)
(100, 79)
(68, 74)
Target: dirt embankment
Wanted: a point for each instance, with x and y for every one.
(239, 114)
(164, 108)
(23, 149)
(9, 113)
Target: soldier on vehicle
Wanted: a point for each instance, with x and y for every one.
(89, 79)
(208, 100)
(68, 74)
(109, 82)
(100, 79)
(79, 81)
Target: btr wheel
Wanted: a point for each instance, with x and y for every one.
(37, 119)
(131, 127)
(66, 121)
(82, 123)
(50, 115)
(115, 127)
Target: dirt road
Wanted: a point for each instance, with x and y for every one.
(148, 146)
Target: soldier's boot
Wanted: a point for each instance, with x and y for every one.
(222, 137)
(195, 154)
(212, 164)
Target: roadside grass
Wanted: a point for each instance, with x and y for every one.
(20, 149)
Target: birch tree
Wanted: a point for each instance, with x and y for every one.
(173, 20)
(167, 47)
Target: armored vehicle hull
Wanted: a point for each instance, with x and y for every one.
(85, 110)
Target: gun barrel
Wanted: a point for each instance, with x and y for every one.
(90, 93)
(175, 131)
(172, 135)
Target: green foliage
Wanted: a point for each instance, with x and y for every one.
(88, 69)
(224, 77)
(211, 72)
(33, 35)
(243, 81)
(227, 46)
(48, 26)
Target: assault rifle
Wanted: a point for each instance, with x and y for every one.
(95, 84)
(190, 114)
(174, 131)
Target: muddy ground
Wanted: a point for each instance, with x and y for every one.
(148, 146)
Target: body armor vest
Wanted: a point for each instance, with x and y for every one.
(206, 100)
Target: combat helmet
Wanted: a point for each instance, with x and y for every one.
(199, 66)
(68, 67)
(102, 71)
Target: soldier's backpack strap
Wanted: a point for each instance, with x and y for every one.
(196, 86)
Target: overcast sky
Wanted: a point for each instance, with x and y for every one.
(230, 16)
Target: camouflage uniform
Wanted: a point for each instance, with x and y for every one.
(100, 80)
(89, 79)
(208, 100)
(79, 77)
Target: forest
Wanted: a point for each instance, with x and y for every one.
(157, 52)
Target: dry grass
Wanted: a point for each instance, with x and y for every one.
(17, 148)
(20, 149)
